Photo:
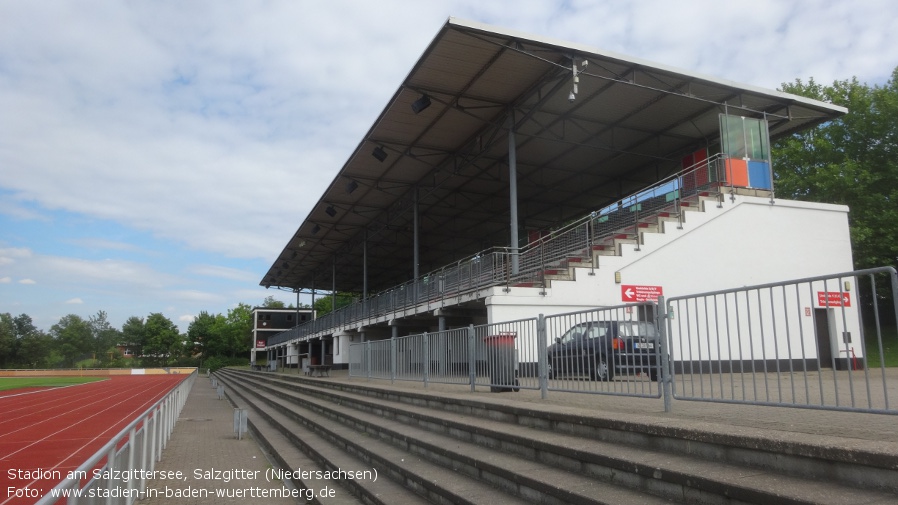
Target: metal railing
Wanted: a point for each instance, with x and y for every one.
(515, 355)
(138, 446)
(494, 267)
(817, 342)
(814, 343)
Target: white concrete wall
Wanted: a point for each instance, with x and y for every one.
(745, 242)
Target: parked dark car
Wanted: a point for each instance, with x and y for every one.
(601, 349)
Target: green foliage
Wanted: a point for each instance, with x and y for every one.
(324, 305)
(889, 355)
(134, 334)
(22, 345)
(271, 303)
(73, 338)
(105, 338)
(163, 341)
(154, 340)
(216, 362)
(7, 339)
(850, 161)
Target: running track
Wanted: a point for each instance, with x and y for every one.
(59, 428)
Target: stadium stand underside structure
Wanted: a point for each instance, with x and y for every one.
(493, 140)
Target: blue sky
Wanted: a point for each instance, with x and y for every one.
(157, 156)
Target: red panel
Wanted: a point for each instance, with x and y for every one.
(737, 172)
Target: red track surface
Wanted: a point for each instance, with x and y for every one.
(58, 429)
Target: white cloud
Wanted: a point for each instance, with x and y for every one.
(74, 301)
(10, 255)
(97, 243)
(27, 281)
(5, 280)
(225, 273)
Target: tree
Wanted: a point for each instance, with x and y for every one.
(105, 337)
(7, 339)
(35, 350)
(852, 160)
(208, 335)
(163, 340)
(324, 305)
(271, 303)
(134, 334)
(73, 338)
(240, 329)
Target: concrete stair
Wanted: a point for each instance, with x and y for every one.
(429, 448)
(613, 245)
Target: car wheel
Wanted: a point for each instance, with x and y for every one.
(653, 374)
(600, 370)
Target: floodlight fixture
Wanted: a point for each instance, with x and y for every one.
(331, 211)
(316, 229)
(421, 104)
(379, 153)
(352, 186)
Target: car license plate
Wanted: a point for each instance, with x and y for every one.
(643, 345)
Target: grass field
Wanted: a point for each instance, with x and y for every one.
(32, 382)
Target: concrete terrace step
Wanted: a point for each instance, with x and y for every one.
(646, 461)
(283, 449)
(422, 479)
(478, 458)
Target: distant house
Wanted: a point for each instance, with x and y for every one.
(268, 322)
(125, 350)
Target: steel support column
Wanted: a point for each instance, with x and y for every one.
(513, 192)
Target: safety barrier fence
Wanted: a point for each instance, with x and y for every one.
(608, 351)
(133, 453)
(502, 266)
(818, 342)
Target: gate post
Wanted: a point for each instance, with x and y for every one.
(542, 348)
(661, 322)
(472, 357)
(426, 358)
(368, 359)
(392, 360)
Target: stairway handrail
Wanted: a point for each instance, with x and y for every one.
(396, 298)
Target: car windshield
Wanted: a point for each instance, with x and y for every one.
(583, 330)
(637, 329)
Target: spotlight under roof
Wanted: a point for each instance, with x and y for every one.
(421, 104)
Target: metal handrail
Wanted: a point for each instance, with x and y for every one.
(492, 267)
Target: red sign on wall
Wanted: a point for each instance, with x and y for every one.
(260, 344)
(833, 299)
(630, 293)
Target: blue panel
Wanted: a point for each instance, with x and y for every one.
(759, 175)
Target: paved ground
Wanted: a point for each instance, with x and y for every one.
(203, 440)
(203, 437)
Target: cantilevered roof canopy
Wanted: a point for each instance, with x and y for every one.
(628, 125)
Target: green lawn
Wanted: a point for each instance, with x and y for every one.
(30, 382)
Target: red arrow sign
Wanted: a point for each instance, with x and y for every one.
(631, 293)
(833, 299)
